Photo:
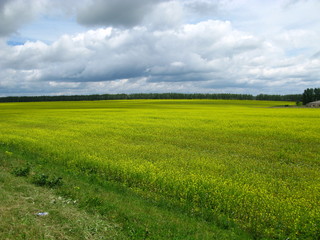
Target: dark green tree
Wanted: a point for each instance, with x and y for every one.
(310, 95)
(317, 94)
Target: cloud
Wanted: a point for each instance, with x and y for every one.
(3, 3)
(206, 56)
(118, 13)
(316, 55)
(165, 15)
(161, 46)
(16, 13)
(203, 7)
(291, 3)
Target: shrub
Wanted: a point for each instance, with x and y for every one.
(21, 171)
(45, 180)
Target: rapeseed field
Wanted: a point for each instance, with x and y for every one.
(248, 163)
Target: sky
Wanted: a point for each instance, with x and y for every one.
(67, 47)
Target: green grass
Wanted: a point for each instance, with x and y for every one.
(220, 163)
(21, 202)
(86, 208)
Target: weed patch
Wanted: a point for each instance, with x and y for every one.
(21, 171)
(47, 181)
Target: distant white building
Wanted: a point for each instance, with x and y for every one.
(313, 104)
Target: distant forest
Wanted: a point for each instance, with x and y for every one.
(291, 97)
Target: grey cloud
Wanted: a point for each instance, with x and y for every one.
(224, 83)
(181, 77)
(203, 7)
(2, 3)
(15, 13)
(94, 72)
(291, 3)
(316, 55)
(126, 13)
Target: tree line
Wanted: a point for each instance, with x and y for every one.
(94, 97)
(311, 95)
(288, 97)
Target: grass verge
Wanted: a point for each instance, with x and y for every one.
(84, 207)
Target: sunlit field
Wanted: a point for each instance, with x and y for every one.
(243, 162)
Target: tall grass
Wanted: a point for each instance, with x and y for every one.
(232, 161)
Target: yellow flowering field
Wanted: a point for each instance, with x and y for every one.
(247, 162)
